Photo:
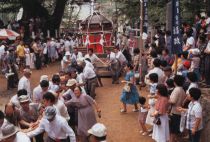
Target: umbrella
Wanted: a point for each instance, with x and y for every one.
(6, 33)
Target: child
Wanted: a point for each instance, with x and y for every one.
(142, 115)
(195, 61)
(153, 77)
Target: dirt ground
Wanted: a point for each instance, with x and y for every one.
(121, 127)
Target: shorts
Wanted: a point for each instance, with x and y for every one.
(142, 117)
(175, 123)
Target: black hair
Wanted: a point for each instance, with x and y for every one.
(79, 88)
(56, 79)
(195, 93)
(130, 66)
(153, 54)
(166, 50)
(90, 49)
(88, 59)
(49, 96)
(179, 80)
(2, 115)
(192, 76)
(44, 83)
(185, 54)
(164, 63)
(153, 77)
(21, 92)
(162, 90)
(100, 138)
(136, 51)
(157, 62)
(142, 100)
(170, 83)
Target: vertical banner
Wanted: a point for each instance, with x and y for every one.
(145, 16)
(176, 36)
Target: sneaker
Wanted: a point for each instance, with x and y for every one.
(123, 111)
(135, 110)
(144, 134)
(141, 132)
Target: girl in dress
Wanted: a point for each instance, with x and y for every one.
(142, 115)
(153, 77)
(129, 95)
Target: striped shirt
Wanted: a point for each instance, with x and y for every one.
(194, 111)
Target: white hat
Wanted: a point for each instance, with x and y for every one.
(50, 112)
(23, 99)
(67, 53)
(98, 130)
(8, 131)
(195, 51)
(71, 82)
(44, 77)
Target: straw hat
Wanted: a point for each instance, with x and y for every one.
(23, 99)
(71, 82)
(8, 131)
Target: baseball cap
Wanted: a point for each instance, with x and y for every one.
(98, 130)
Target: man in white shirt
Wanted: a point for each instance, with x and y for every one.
(38, 92)
(15, 101)
(115, 66)
(76, 55)
(93, 57)
(156, 70)
(119, 55)
(10, 133)
(207, 59)
(190, 43)
(24, 82)
(91, 80)
(55, 126)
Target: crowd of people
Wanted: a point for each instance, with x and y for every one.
(63, 108)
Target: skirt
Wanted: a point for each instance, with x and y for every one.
(161, 132)
(142, 117)
(149, 118)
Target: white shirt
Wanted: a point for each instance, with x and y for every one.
(192, 85)
(24, 83)
(14, 100)
(208, 47)
(120, 57)
(21, 137)
(67, 45)
(75, 57)
(93, 58)
(89, 64)
(62, 109)
(37, 94)
(88, 72)
(57, 129)
(112, 57)
(159, 72)
(2, 50)
(194, 111)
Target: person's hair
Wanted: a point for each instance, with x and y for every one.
(157, 62)
(170, 83)
(166, 50)
(21, 92)
(179, 80)
(195, 93)
(130, 66)
(56, 78)
(153, 54)
(192, 76)
(168, 33)
(49, 96)
(44, 83)
(153, 77)
(2, 115)
(88, 59)
(163, 63)
(76, 48)
(162, 90)
(100, 138)
(5, 107)
(136, 51)
(142, 100)
(90, 49)
(185, 54)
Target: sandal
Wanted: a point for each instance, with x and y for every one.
(144, 134)
(135, 110)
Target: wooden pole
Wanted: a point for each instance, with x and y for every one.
(141, 40)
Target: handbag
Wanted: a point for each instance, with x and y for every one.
(157, 120)
(127, 88)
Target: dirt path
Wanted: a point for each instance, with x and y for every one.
(121, 127)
